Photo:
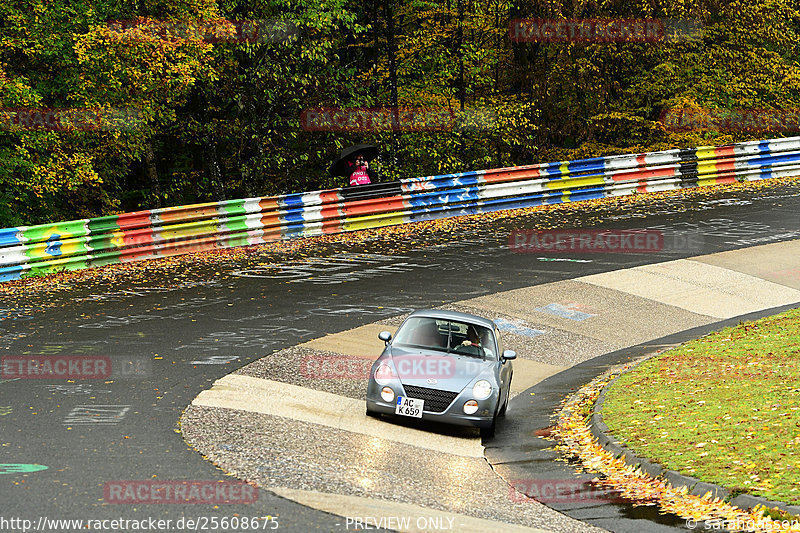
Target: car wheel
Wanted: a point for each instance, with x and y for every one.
(508, 393)
(373, 414)
(488, 433)
(505, 404)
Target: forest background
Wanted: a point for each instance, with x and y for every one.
(204, 100)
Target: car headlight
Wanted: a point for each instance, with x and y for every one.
(482, 390)
(470, 407)
(387, 394)
(384, 374)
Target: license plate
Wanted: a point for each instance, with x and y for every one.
(409, 407)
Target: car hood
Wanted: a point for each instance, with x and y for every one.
(451, 372)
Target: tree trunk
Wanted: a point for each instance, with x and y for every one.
(498, 43)
(390, 43)
(376, 53)
(461, 88)
(152, 174)
(214, 169)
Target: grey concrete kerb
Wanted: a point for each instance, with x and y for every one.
(676, 479)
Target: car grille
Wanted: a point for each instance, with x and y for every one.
(436, 401)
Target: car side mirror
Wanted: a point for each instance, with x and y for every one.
(385, 336)
(509, 355)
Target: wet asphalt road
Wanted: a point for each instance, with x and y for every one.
(167, 344)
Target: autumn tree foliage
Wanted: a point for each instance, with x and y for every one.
(200, 100)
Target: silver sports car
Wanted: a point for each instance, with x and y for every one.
(444, 366)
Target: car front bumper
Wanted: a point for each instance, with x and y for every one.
(452, 415)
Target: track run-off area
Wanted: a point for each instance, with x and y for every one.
(224, 367)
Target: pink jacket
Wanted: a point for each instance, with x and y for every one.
(360, 176)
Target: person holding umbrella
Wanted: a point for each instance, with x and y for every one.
(361, 172)
(354, 164)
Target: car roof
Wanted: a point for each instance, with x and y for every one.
(453, 315)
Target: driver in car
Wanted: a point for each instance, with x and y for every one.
(472, 338)
(472, 344)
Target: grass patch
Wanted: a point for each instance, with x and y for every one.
(724, 408)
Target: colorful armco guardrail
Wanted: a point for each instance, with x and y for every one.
(47, 248)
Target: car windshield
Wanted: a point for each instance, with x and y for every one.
(449, 336)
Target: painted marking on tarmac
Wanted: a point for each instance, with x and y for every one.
(215, 360)
(70, 347)
(82, 388)
(564, 260)
(718, 227)
(409, 518)
(371, 310)
(262, 337)
(96, 415)
(256, 395)
(121, 295)
(20, 468)
(726, 201)
(517, 327)
(336, 269)
(569, 311)
(5, 410)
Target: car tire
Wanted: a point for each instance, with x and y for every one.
(488, 433)
(508, 393)
(373, 414)
(502, 411)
